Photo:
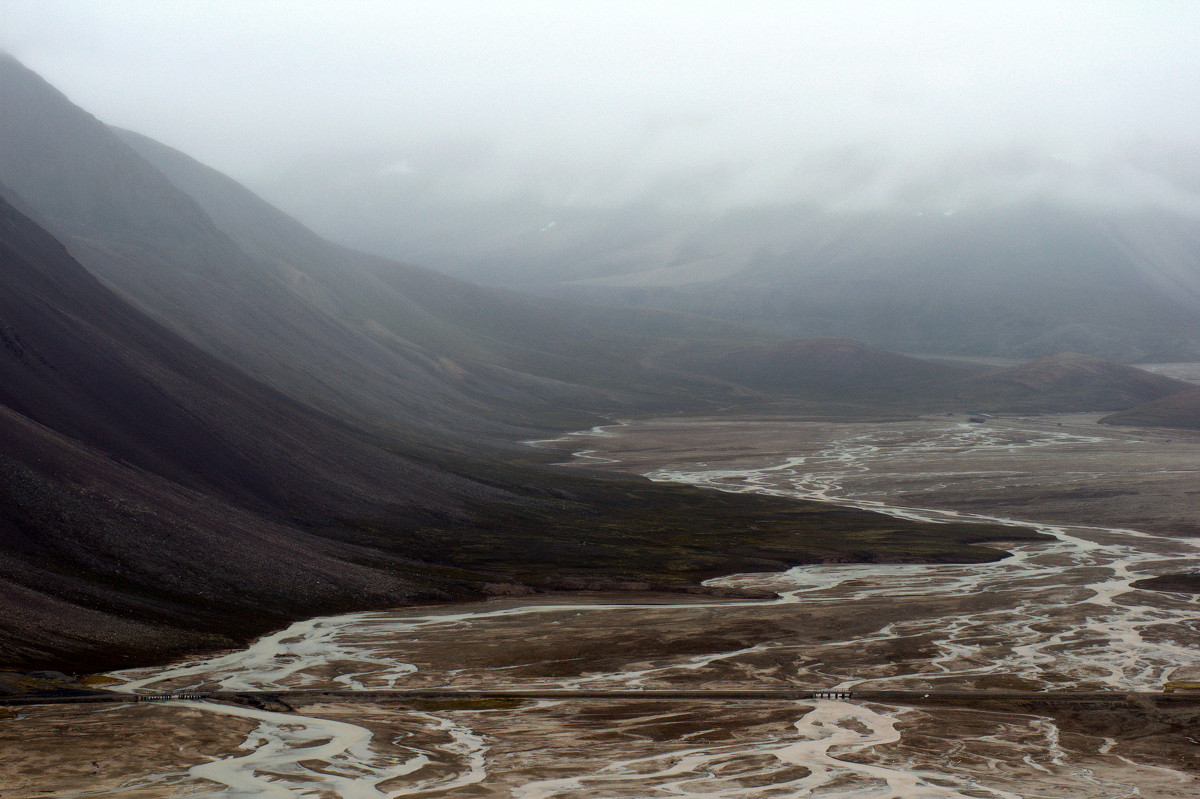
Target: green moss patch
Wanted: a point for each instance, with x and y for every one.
(613, 533)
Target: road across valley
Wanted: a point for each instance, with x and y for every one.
(892, 696)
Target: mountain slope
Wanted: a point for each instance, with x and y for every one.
(149, 487)
(1180, 410)
(150, 242)
(848, 372)
(840, 369)
(1066, 382)
(89, 366)
(410, 306)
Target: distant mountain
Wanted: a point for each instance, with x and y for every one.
(840, 369)
(1024, 281)
(1176, 410)
(931, 268)
(847, 371)
(396, 304)
(1066, 382)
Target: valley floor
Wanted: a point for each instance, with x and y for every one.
(1056, 615)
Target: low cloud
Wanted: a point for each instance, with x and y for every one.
(851, 104)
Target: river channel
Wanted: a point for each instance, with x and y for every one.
(1055, 615)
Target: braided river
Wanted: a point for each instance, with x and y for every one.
(1058, 614)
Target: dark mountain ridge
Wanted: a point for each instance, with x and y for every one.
(519, 347)
(87, 365)
(156, 490)
(156, 247)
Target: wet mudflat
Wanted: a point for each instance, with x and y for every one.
(1057, 615)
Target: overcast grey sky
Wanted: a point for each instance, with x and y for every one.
(549, 91)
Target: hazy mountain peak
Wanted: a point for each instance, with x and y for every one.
(77, 177)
